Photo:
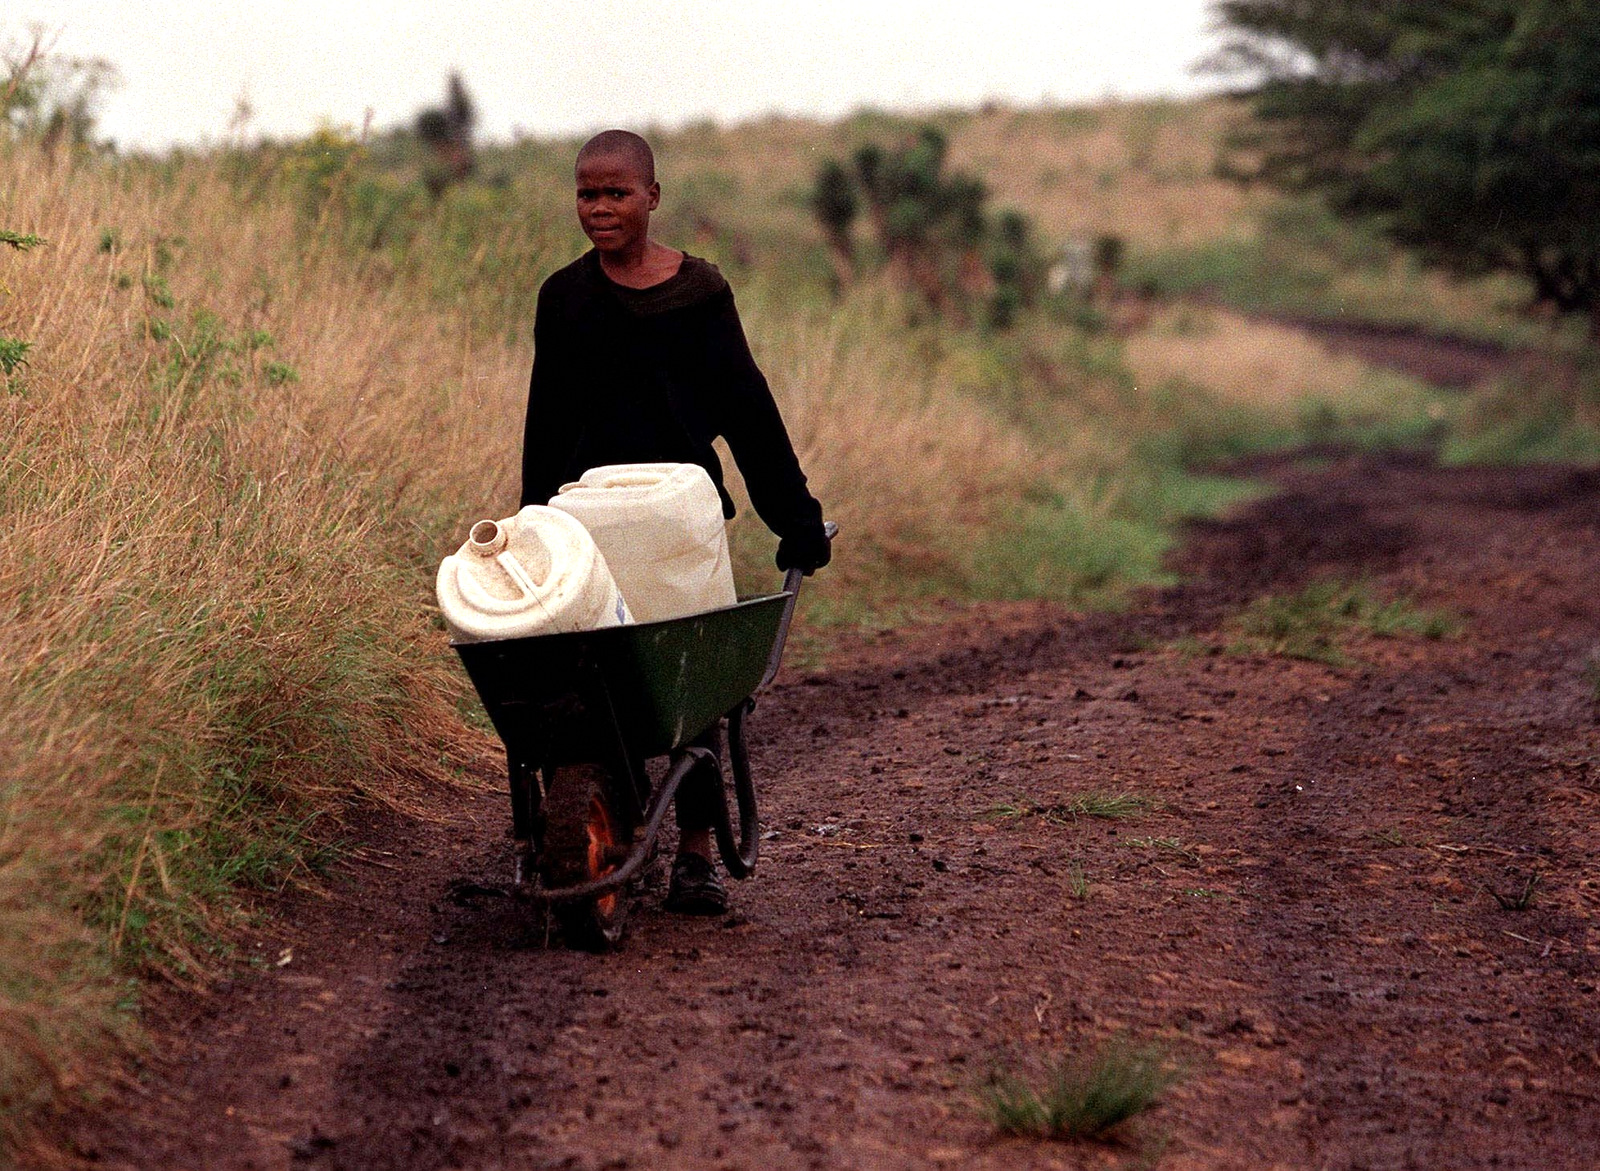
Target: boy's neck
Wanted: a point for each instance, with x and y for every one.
(649, 265)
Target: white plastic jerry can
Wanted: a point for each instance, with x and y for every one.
(538, 572)
(661, 530)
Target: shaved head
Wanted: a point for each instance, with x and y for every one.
(621, 144)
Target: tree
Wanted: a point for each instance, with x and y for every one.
(933, 225)
(834, 203)
(1468, 130)
(49, 97)
(447, 133)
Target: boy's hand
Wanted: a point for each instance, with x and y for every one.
(808, 551)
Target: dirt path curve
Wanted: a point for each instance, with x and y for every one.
(1442, 359)
(1303, 918)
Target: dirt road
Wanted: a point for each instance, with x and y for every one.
(1303, 913)
(1445, 360)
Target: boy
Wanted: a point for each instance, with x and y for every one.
(639, 357)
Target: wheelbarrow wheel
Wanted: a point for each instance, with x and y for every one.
(582, 836)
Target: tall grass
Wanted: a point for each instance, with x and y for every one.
(1293, 255)
(1544, 412)
(915, 471)
(215, 629)
(1260, 364)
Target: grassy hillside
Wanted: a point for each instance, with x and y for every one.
(265, 390)
(209, 581)
(1144, 171)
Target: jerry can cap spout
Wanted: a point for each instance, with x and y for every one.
(487, 538)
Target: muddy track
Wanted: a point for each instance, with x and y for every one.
(1304, 917)
(1441, 359)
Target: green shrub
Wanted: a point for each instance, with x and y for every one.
(1309, 624)
(1079, 1097)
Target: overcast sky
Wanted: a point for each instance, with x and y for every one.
(562, 66)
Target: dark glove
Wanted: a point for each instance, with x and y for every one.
(808, 550)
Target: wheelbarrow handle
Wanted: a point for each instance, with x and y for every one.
(791, 586)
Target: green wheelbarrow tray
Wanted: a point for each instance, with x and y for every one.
(665, 682)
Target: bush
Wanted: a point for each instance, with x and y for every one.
(1079, 1097)
(933, 227)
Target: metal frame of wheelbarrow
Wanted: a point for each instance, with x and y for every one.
(619, 696)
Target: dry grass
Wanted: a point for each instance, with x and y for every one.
(913, 469)
(1140, 170)
(1143, 171)
(214, 628)
(1491, 306)
(1247, 362)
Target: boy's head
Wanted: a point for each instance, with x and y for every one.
(623, 145)
(617, 191)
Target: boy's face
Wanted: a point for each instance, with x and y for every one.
(615, 202)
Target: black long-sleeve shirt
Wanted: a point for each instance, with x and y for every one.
(652, 375)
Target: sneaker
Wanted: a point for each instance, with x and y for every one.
(695, 888)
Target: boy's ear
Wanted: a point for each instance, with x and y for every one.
(655, 196)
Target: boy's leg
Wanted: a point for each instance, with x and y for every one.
(695, 887)
(697, 799)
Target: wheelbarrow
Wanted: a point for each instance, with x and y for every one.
(580, 715)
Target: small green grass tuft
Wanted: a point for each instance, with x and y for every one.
(1113, 806)
(13, 354)
(1403, 616)
(1079, 1097)
(1011, 810)
(1078, 885)
(1097, 804)
(1520, 901)
(1309, 624)
(1187, 646)
(1168, 845)
(21, 241)
(279, 374)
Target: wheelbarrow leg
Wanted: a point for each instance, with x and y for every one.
(738, 856)
(525, 813)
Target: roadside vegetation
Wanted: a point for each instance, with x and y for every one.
(1112, 806)
(1317, 621)
(1078, 1096)
(249, 397)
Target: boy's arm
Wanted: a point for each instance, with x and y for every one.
(549, 432)
(761, 447)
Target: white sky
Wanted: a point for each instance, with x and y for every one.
(564, 66)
